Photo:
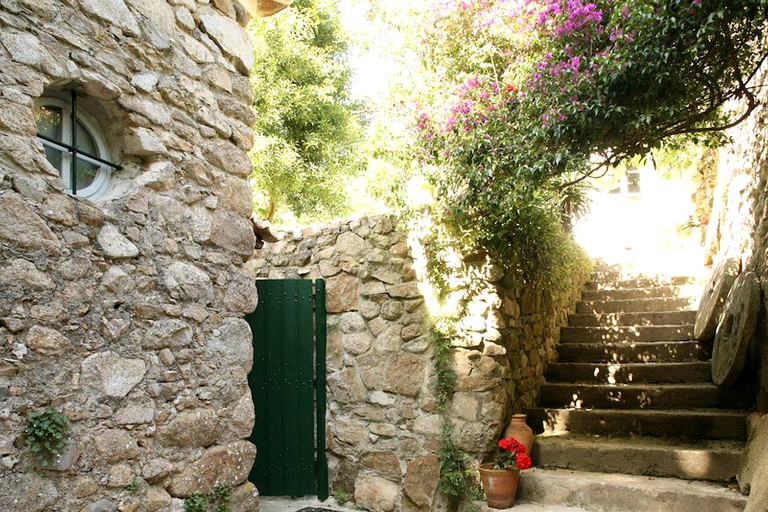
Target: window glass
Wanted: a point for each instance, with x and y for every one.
(53, 117)
(54, 156)
(86, 171)
(85, 174)
(49, 121)
(85, 142)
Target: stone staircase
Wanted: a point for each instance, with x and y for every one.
(628, 418)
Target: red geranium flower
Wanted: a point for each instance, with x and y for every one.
(522, 461)
(511, 455)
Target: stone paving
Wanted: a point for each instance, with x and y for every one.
(307, 504)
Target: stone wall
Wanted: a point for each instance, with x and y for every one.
(126, 312)
(739, 225)
(384, 424)
(740, 220)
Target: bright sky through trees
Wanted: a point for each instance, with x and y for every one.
(372, 69)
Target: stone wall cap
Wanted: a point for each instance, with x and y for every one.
(265, 8)
(263, 230)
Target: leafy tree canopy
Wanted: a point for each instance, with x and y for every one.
(534, 95)
(571, 79)
(307, 132)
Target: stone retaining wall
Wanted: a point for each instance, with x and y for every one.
(740, 219)
(384, 426)
(126, 312)
(739, 225)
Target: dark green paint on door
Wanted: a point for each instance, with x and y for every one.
(284, 325)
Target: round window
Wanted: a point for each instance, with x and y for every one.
(74, 146)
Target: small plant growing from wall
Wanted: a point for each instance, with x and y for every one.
(341, 496)
(196, 503)
(46, 435)
(131, 487)
(221, 496)
(219, 499)
(456, 477)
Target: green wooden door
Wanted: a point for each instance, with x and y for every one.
(289, 358)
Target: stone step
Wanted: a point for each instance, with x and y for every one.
(622, 272)
(614, 373)
(630, 275)
(703, 460)
(634, 352)
(643, 396)
(607, 282)
(681, 423)
(627, 319)
(525, 506)
(627, 333)
(631, 293)
(634, 305)
(601, 492)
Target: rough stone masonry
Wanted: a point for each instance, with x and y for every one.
(384, 424)
(738, 227)
(126, 312)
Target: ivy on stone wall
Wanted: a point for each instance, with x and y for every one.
(456, 264)
(441, 362)
(217, 501)
(456, 475)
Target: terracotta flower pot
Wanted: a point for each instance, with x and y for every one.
(500, 485)
(520, 430)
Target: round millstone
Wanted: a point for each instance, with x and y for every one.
(713, 297)
(736, 330)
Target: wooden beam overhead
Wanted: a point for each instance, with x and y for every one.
(264, 8)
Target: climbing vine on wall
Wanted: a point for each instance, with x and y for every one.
(456, 474)
(455, 270)
(441, 362)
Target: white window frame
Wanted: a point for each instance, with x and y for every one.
(101, 181)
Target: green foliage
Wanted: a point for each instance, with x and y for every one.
(385, 38)
(307, 132)
(528, 98)
(341, 496)
(524, 98)
(686, 59)
(606, 80)
(523, 231)
(457, 479)
(46, 435)
(441, 361)
(132, 486)
(219, 498)
(574, 201)
(196, 503)
(456, 476)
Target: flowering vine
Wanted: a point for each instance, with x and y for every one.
(538, 94)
